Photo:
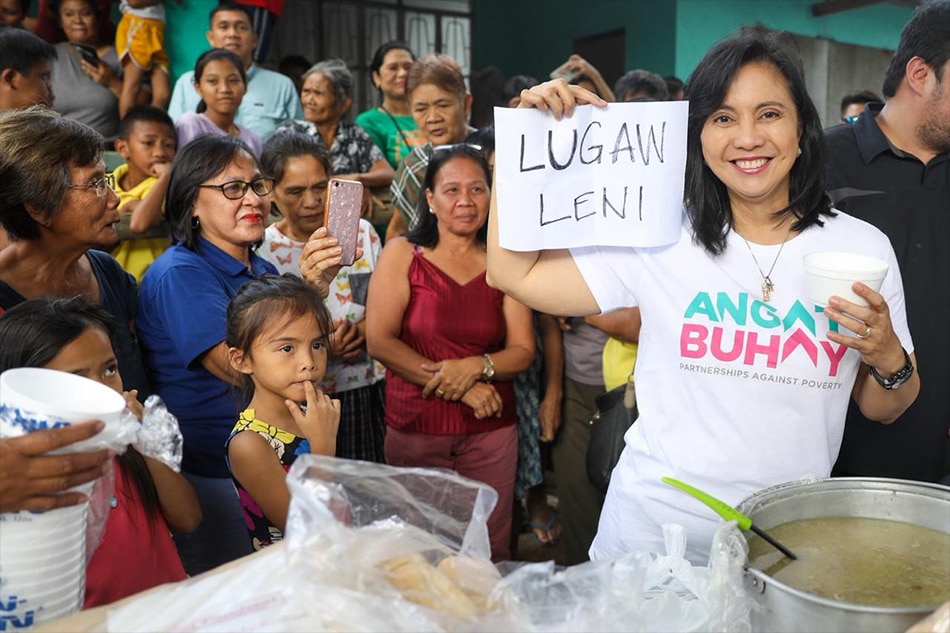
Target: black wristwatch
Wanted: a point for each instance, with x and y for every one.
(896, 380)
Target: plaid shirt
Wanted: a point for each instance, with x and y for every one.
(353, 151)
(406, 188)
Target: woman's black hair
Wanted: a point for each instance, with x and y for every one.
(56, 5)
(260, 302)
(283, 146)
(216, 54)
(199, 161)
(287, 144)
(426, 232)
(32, 333)
(516, 84)
(484, 138)
(706, 197)
(380, 55)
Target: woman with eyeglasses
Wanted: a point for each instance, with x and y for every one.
(216, 204)
(60, 215)
(451, 345)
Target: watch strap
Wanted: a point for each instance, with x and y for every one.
(895, 380)
(488, 369)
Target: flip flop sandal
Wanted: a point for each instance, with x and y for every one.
(538, 528)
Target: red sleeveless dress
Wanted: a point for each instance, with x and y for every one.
(447, 320)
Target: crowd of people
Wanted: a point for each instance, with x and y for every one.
(201, 271)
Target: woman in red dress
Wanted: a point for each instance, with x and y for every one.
(451, 344)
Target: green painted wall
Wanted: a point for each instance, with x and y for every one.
(700, 23)
(535, 36)
(665, 36)
(185, 35)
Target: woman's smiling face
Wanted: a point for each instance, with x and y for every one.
(221, 87)
(750, 142)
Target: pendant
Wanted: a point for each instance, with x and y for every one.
(767, 289)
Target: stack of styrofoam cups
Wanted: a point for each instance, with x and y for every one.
(43, 554)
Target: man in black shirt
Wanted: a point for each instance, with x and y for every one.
(892, 168)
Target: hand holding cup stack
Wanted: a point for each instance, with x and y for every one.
(43, 554)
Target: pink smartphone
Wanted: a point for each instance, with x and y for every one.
(342, 215)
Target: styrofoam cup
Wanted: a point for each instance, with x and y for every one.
(833, 273)
(34, 398)
(42, 562)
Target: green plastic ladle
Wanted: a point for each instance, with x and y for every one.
(728, 513)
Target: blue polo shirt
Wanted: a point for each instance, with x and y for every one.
(183, 302)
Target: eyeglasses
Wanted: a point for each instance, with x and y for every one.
(99, 186)
(237, 189)
(851, 119)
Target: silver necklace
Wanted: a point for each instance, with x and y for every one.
(767, 285)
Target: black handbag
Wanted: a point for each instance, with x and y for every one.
(616, 412)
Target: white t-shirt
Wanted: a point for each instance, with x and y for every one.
(734, 394)
(153, 12)
(347, 299)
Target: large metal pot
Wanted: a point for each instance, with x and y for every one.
(784, 608)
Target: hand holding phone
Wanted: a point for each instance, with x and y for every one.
(88, 53)
(342, 216)
(565, 72)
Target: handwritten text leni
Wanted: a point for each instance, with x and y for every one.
(606, 176)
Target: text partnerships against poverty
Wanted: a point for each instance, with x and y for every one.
(605, 176)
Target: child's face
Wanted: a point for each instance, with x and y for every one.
(285, 356)
(300, 194)
(90, 355)
(221, 87)
(11, 14)
(150, 148)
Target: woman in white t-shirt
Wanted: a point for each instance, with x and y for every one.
(742, 382)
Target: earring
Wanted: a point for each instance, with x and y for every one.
(431, 210)
(195, 222)
(799, 151)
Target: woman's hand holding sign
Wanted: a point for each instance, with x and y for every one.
(558, 97)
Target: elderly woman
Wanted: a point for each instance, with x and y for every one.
(87, 90)
(451, 345)
(742, 381)
(59, 210)
(440, 104)
(216, 204)
(390, 124)
(326, 97)
(300, 168)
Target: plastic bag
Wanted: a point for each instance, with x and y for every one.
(158, 436)
(370, 547)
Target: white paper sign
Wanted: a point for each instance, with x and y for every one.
(604, 177)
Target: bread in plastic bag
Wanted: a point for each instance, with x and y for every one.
(370, 547)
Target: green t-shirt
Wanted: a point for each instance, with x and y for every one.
(396, 142)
